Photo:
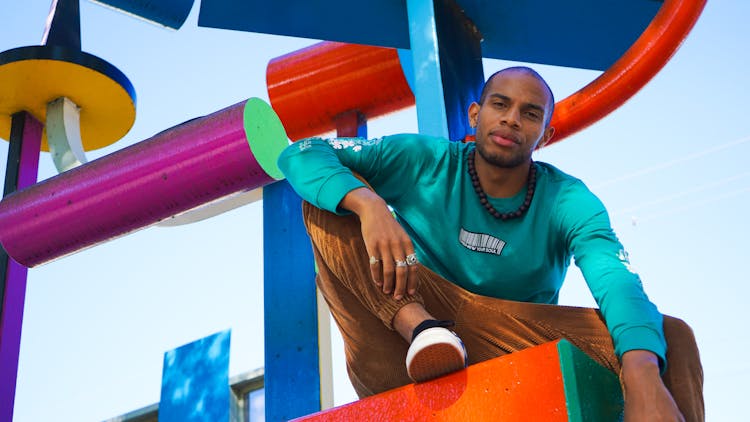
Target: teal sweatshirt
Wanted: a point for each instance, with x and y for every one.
(426, 182)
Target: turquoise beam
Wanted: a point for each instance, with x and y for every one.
(428, 84)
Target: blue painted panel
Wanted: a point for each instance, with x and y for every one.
(169, 13)
(292, 374)
(195, 381)
(589, 34)
(332, 20)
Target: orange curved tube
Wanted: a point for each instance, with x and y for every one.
(308, 88)
(646, 57)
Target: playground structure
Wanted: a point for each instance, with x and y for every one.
(29, 241)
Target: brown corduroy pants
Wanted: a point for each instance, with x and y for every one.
(489, 327)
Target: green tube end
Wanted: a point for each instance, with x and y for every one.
(265, 135)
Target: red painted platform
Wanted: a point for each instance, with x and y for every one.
(551, 382)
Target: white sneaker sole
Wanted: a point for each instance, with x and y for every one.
(433, 353)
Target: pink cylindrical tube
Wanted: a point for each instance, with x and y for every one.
(174, 171)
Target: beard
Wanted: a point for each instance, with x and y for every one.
(502, 160)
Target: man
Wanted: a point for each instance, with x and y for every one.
(481, 242)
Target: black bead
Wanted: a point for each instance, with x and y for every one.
(530, 187)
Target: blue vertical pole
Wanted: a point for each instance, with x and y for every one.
(292, 375)
(448, 74)
(22, 169)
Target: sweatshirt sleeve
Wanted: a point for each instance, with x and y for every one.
(632, 319)
(321, 170)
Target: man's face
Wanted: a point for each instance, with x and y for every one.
(511, 121)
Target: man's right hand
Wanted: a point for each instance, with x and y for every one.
(385, 240)
(646, 397)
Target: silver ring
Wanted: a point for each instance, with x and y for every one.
(373, 260)
(400, 263)
(411, 259)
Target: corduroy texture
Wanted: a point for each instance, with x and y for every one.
(489, 327)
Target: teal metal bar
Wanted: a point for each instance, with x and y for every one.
(592, 392)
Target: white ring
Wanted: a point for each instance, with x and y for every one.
(411, 259)
(373, 260)
(400, 263)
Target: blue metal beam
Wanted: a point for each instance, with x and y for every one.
(446, 45)
(169, 13)
(461, 66)
(292, 375)
(590, 34)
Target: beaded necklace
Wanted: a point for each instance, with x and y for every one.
(530, 183)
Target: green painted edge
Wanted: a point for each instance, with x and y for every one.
(592, 392)
(265, 134)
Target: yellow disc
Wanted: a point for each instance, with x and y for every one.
(107, 106)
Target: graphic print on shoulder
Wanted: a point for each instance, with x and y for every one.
(355, 144)
(481, 242)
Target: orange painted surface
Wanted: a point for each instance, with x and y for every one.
(308, 88)
(523, 386)
(653, 49)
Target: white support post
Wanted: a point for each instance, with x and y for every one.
(64, 134)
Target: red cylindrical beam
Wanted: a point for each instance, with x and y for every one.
(644, 59)
(310, 87)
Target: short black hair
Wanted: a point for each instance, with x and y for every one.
(528, 71)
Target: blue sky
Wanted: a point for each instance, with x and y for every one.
(671, 166)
